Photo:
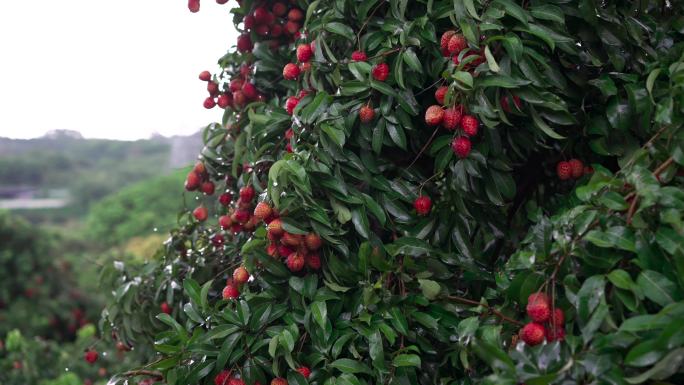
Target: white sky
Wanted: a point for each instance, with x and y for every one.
(120, 69)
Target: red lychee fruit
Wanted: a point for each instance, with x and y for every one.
(440, 94)
(313, 241)
(247, 193)
(533, 333)
(295, 262)
(194, 5)
(313, 260)
(230, 292)
(469, 124)
(192, 181)
(275, 228)
(224, 100)
(577, 168)
(221, 1)
(224, 199)
(291, 71)
(284, 251)
(241, 216)
(276, 30)
(212, 88)
(304, 53)
(240, 275)
(209, 103)
(217, 240)
(506, 106)
(208, 188)
(304, 371)
(538, 307)
(434, 115)
(380, 72)
(291, 104)
(295, 14)
(261, 15)
(235, 85)
(239, 99)
(557, 335)
(461, 146)
(165, 308)
(205, 76)
(564, 170)
(200, 213)
(279, 9)
(359, 56)
(237, 381)
(222, 378)
(422, 204)
(244, 43)
(262, 29)
(225, 222)
(262, 210)
(557, 317)
(272, 250)
(457, 43)
(90, 356)
(249, 22)
(291, 27)
(452, 117)
(249, 91)
(290, 239)
(305, 67)
(289, 134)
(366, 114)
(199, 168)
(444, 40)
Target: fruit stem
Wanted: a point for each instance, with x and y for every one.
(424, 147)
(491, 309)
(150, 373)
(662, 167)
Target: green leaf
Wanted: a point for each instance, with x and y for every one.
(346, 365)
(383, 87)
(406, 360)
(334, 133)
(514, 10)
(412, 60)
(360, 221)
(491, 61)
(657, 287)
(430, 288)
(548, 12)
(319, 311)
(540, 124)
(340, 29)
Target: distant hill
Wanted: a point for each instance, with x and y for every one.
(88, 169)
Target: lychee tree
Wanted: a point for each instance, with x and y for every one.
(433, 192)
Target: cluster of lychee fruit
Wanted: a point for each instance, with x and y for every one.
(198, 179)
(232, 289)
(239, 216)
(573, 168)
(272, 20)
(452, 44)
(453, 118)
(240, 90)
(225, 377)
(547, 322)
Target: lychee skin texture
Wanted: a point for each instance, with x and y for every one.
(434, 115)
(313, 241)
(293, 240)
(295, 14)
(469, 124)
(192, 182)
(208, 188)
(242, 216)
(224, 199)
(222, 378)
(461, 146)
(295, 262)
(577, 168)
(209, 103)
(359, 56)
(247, 193)
(275, 227)
(224, 100)
(366, 114)
(304, 371)
(279, 381)
(205, 76)
(440, 94)
(559, 334)
(304, 53)
(422, 204)
(90, 356)
(244, 43)
(225, 222)
(194, 6)
(272, 250)
(230, 292)
(533, 333)
(444, 41)
(452, 117)
(291, 71)
(200, 213)
(538, 307)
(380, 72)
(262, 210)
(249, 90)
(557, 317)
(313, 261)
(291, 104)
(284, 251)
(240, 275)
(564, 170)
(457, 43)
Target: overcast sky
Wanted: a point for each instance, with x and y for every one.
(120, 69)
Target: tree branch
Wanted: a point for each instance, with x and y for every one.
(491, 309)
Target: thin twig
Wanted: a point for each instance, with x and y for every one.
(150, 373)
(424, 147)
(662, 167)
(632, 209)
(491, 309)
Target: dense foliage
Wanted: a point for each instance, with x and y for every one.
(437, 237)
